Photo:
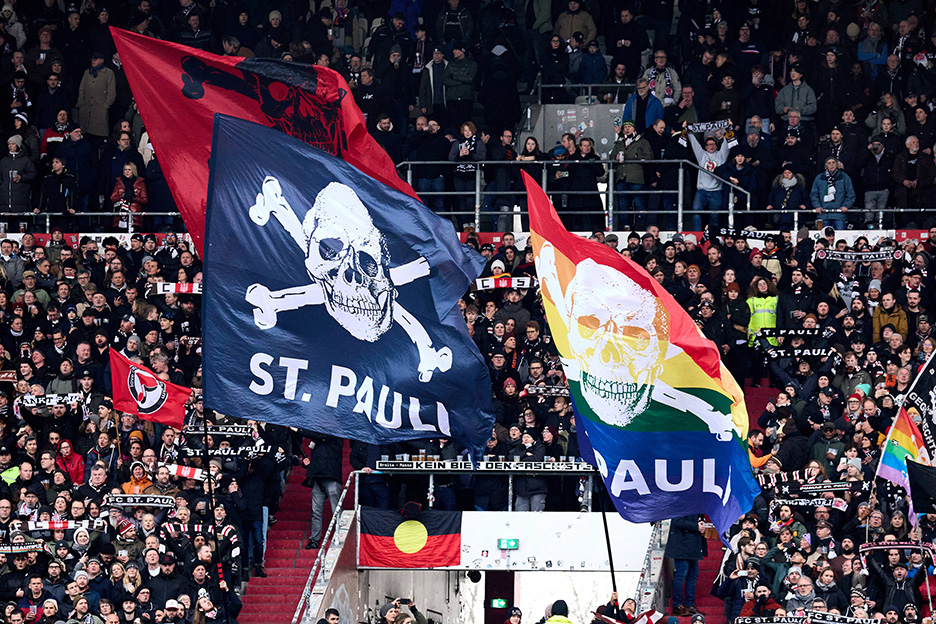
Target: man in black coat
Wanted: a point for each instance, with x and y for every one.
(168, 584)
(323, 475)
(686, 547)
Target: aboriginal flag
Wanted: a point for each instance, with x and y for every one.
(389, 540)
(179, 89)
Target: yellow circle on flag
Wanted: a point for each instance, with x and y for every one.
(410, 536)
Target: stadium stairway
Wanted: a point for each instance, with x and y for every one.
(273, 600)
(756, 400)
(712, 607)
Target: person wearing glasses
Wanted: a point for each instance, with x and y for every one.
(663, 80)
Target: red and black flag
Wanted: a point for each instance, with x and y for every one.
(390, 540)
(138, 391)
(179, 89)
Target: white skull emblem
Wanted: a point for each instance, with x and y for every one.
(347, 256)
(615, 341)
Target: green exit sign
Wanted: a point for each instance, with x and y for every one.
(498, 603)
(508, 543)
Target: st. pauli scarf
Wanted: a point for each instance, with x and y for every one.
(776, 353)
(247, 451)
(227, 531)
(792, 332)
(835, 503)
(98, 524)
(139, 500)
(179, 288)
(770, 480)
(186, 472)
(811, 490)
(823, 617)
(708, 126)
(243, 431)
(655, 75)
(859, 256)
(503, 281)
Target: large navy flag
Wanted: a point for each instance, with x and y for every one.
(330, 298)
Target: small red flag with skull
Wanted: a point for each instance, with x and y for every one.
(138, 391)
(179, 89)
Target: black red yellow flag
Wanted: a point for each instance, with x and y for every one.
(389, 540)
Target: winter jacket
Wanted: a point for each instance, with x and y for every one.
(465, 29)
(58, 193)
(74, 466)
(138, 204)
(685, 540)
(324, 458)
(96, 95)
(844, 195)
(896, 316)
(80, 159)
(427, 85)
(629, 170)
(459, 80)
(569, 23)
(800, 97)
(530, 485)
(792, 198)
(876, 173)
(14, 196)
(653, 112)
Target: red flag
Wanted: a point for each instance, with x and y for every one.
(138, 391)
(179, 89)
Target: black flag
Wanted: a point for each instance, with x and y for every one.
(922, 487)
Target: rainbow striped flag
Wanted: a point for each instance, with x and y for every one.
(904, 441)
(656, 410)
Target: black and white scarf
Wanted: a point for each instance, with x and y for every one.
(654, 75)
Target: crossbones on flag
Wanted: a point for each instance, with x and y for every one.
(137, 390)
(657, 412)
(178, 89)
(330, 298)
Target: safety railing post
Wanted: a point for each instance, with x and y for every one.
(477, 220)
(680, 199)
(609, 209)
(731, 207)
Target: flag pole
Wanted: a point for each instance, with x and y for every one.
(211, 515)
(604, 521)
(929, 595)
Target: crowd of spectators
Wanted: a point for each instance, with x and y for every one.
(829, 103)
(826, 105)
(66, 554)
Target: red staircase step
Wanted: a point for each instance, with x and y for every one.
(287, 562)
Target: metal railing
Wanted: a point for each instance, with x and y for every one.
(650, 584)
(24, 220)
(607, 196)
(493, 468)
(323, 545)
